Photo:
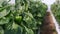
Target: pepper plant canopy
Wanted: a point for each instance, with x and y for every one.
(25, 17)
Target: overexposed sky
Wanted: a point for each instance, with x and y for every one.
(48, 2)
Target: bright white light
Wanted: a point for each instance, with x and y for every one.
(12, 2)
(48, 2)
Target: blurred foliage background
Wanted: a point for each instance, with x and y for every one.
(24, 17)
(56, 10)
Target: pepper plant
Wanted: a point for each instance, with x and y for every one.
(25, 17)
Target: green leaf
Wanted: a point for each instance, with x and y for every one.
(29, 31)
(29, 14)
(4, 13)
(1, 30)
(1, 1)
(4, 21)
(14, 26)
